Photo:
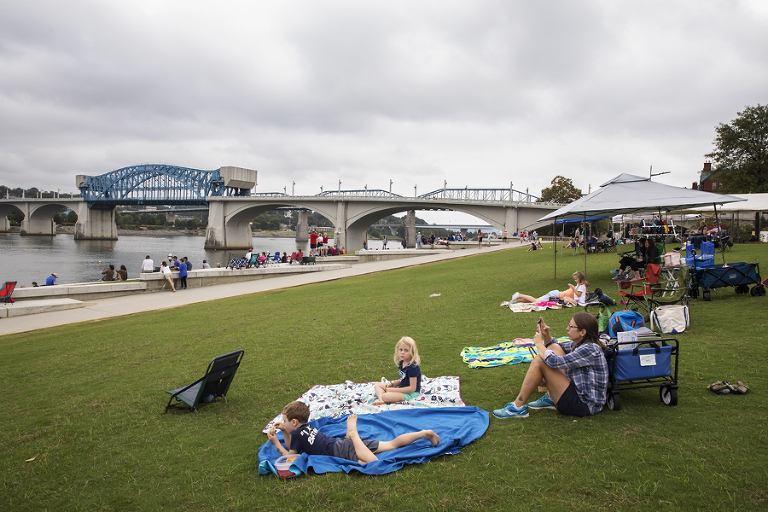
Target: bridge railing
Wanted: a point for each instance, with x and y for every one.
(500, 195)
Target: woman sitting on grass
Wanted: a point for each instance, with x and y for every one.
(575, 371)
(575, 294)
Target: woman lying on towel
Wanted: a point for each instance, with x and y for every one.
(575, 371)
(575, 294)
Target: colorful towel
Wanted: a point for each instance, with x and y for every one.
(527, 307)
(456, 426)
(508, 352)
(520, 350)
(351, 397)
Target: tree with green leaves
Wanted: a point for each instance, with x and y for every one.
(740, 157)
(561, 191)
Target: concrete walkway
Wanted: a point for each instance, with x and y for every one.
(125, 305)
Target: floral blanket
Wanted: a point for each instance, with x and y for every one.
(337, 400)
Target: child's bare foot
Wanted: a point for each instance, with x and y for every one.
(352, 426)
(379, 402)
(433, 438)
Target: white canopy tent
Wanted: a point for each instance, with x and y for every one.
(753, 203)
(627, 193)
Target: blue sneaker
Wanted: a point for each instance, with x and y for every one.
(543, 403)
(615, 272)
(510, 411)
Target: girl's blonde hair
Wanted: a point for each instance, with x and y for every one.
(580, 277)
(408, 341)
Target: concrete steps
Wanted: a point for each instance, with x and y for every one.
(32, 307)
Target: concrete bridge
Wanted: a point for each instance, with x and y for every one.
(232, 207)
(229, 217)
(92, 223)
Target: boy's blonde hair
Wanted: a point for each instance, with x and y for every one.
(296, 411)
(415, 359)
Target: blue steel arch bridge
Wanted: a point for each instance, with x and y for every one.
(155, 184)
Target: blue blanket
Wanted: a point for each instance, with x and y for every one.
(456, 426)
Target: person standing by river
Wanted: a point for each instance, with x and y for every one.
(183, 274)
(167, 274)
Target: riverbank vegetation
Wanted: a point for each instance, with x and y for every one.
(84, 429)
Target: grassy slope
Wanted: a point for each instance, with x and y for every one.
(86, 400)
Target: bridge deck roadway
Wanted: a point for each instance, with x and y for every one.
(100, 309)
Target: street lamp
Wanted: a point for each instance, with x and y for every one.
(445, 184)
(390, 188)
(339, 187)
(415, 194)
(293, 189)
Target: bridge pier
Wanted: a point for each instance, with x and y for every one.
(302, 227)
(410, 229)
(220, 234)
(38, 219)
(95, 224)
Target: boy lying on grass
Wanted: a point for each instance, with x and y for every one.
(301, 438)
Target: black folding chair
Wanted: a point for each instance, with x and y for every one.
(215, 383)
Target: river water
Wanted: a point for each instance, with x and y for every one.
(33, 258)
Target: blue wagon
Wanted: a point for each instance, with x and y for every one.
(738, 275)
(642, 364)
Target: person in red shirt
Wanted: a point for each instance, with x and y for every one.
(312, 242)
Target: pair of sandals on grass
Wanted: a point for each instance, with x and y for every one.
(722, 387)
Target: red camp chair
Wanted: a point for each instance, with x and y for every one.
(637, 292)
(5, 295)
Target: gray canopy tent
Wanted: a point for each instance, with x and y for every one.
(627, 193)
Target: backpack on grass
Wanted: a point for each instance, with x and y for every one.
(626, 320)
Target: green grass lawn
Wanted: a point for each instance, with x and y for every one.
(86, 401)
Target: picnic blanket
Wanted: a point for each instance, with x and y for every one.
(456, 426)
(351, 397)
(520, 350)
(527, 307)
(509, 352)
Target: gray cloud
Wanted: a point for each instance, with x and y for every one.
(475, 93)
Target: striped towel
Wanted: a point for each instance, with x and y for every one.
(497, 355)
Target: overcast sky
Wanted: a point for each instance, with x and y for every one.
(477, 93)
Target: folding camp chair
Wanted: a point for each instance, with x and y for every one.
(237, 263)
(221, 370)
(5, 294)
(276, 258)
(670, 291)
(635, 293)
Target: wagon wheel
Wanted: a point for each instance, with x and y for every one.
(668, 395)
(614, 402)
(758, 291)
(707, 295)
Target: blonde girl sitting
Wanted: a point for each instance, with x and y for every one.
(408, 386)
(575, 294)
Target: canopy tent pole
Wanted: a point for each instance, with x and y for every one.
(719, 233)
(584, 234)
(554, 245)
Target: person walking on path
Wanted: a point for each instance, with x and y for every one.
(167, 274)
(147, 265)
